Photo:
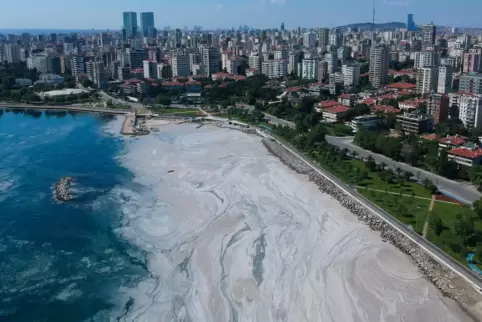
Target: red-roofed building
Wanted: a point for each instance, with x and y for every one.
(431, 137)
(223, 76)
(347, 99)
(369, 101)
(386, 109)
(193, 87)
(294, 89)
(402, 86)
(174, 86)
(466, 156)
(208, 86)
(325, 104)
(451, 142)
(411, 104)
(334, 114)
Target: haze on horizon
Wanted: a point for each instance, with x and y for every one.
(107, 14)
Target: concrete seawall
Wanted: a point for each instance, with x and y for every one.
(128, 126)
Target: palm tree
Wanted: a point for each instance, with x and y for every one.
(407, 175)
(425, 182)
(354, 154)
(398, 171)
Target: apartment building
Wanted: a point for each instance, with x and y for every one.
(470, 112)
(414, 123)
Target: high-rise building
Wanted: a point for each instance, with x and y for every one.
(471, 63)
(438, 107)
(211, 58)
(331, 61)
(150, 69)
(445, 74)
(351, 74)
(180, 65)
(411, 26)
(427, 58)
(78, 65)
(427, 78)
(322, 71)
(470, 111)
(147, 23)
(293, 61)
(281, 54)
(275, 68)
(97, 74)
(324, 38)
(137, 57)
(254, 61)
(378, 69)
(130, 24)
(12, 53)
(309, 69)
(471, 83)
(308, 40)
(428, 34)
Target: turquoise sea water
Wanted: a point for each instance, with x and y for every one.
(61, 261)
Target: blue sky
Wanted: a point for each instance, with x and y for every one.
(103, 14)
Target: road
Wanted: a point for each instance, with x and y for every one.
(460, 191)
(435, 252)
(271, 118)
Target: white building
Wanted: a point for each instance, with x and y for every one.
(332, 62)
(78, 66)
(281, 54)
(12, 53)
(275, 68)
(180, 65)
(470, 112)
(294, 58)
(444, 79)
(427, 78)
(150, 69)
(309, 39)
(309, 69)
(51, 79)
(351, 74)
(255, 61)
(426, 58)
(365, 122)
(97, 74)
(378, 69)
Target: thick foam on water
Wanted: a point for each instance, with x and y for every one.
(228, 233)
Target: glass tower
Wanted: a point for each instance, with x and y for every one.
(410, 23)
(147, 23)
(130, 24)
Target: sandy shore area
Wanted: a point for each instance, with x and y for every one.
(234, 235)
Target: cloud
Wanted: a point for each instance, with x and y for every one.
(220, 6)
(401, 3)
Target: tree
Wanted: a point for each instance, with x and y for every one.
(398, 171)
(432, 188)
(426, 182)
(463, 228)
(371, 164)
(407, 175)
(436, 223)
(163, 100)
(354, 154)
(477, 205)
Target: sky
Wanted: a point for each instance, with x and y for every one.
(107, 14)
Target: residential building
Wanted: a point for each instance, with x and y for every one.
(78, 65)
(438, 107)
(322, 71)
(466, 156)
(44, 63)
(12, 53)
(471, 63)
(50, 79)
(164, 71)
(414, 123)
(150, 69)
(323, 38)
(331, 61)
(147, 24)
(447, 61)
(180, 65)
(470, 110)
(428, 34)
(351, 75)
(427, 78)
(280, 54)
(96, 73)
(334, 114)
(210, 60)
(471, 83)
(366, 122)
(137, 57)
(309, 69)
(294, 59)
(427, 58)
(444, 79)
(254, 61)
(275, 68)
(130, 24)
(308, 40)
(378, 70)
(451, 142)
(124, 72)
(347, 99)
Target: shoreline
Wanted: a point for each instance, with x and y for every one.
(444, 279)
(79, 108)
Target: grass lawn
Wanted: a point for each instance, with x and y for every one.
(345, 171)
(402, 208)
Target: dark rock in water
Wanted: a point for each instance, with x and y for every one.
(62, 189)
(170, 171)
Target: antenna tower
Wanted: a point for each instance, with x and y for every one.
(373, 17)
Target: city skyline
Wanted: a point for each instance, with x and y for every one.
(226, 14)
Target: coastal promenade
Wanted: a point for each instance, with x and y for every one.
(78, 108)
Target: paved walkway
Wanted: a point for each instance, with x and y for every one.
(425, 226)
(406, 195)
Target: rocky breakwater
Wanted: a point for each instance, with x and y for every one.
(62, 189)
(448, 282)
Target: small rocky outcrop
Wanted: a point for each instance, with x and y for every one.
(449, 283)
(62, 189)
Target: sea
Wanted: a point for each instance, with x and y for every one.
(63, 261)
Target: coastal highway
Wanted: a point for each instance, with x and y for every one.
(271, 118)
(463, 192)
(428, 247)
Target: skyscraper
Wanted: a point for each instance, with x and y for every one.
(130, 24)
(210, 60)
(147, 23)
(410, 23)
(378, 69)
(429, 32)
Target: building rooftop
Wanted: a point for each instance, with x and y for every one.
(336, 109)
(387, 109)
(346, 96)
(325, 104)
(453, 140)
(467, 153)
(402, 85)
(294, 89)
(133, 81)
(172, 84)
